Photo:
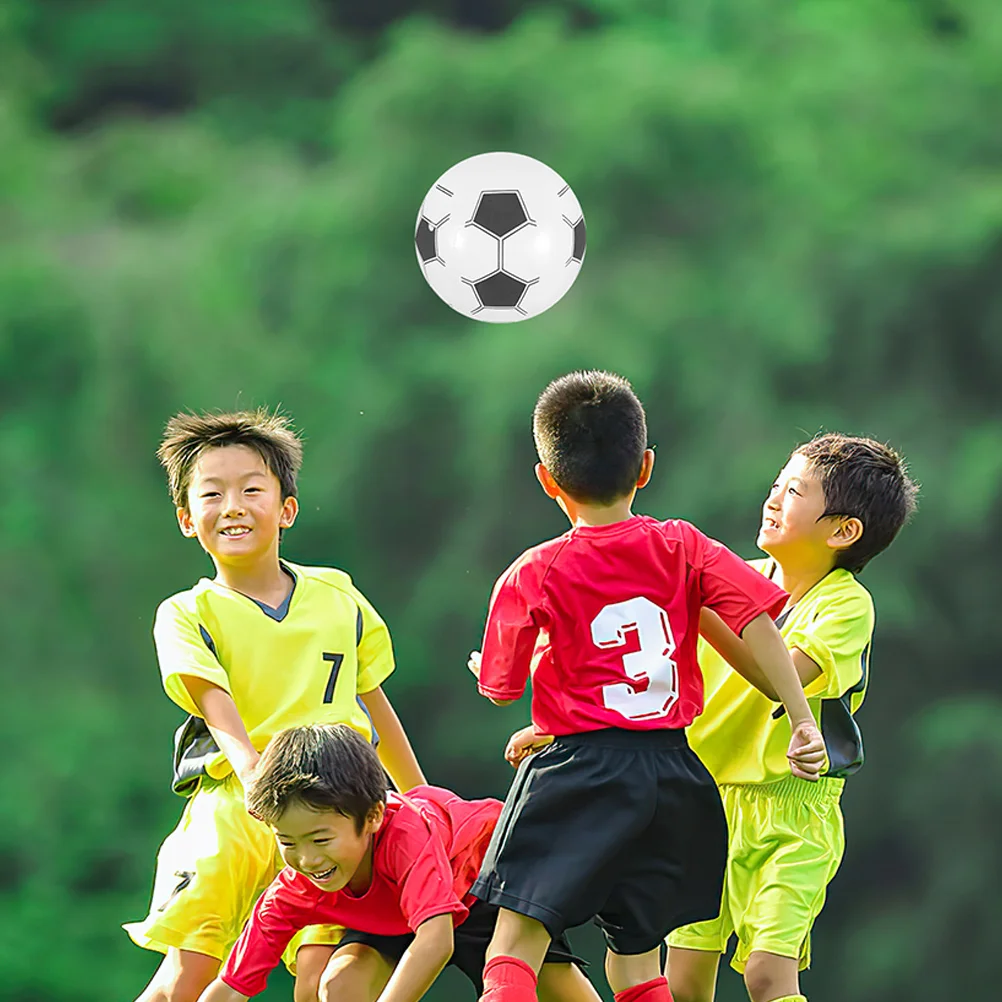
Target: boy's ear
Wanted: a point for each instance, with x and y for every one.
(846, 532)
(547, 482)
(375, 818)
(290, 509)
(185, 521)
(646, 468)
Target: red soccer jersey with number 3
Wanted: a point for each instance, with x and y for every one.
(606, 618)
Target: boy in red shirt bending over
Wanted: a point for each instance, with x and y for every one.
(616, 819)
(394, 871)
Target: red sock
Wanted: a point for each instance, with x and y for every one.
(508, 979)
(649, 991)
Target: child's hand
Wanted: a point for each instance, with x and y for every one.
(523, 743)
(244, 769)
(807, 754)
(474, 663)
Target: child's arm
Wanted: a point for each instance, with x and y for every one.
(220, 991)
(807, 747)
(502, 664)
(735, 652)
(394, 749)
(224, 723)
(422, 961)
(474, 665)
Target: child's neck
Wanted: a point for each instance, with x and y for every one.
(263, 580)
(594, 514)
(799, 577)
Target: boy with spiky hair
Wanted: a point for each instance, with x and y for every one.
(263, 645)
(394, 871)
(616, 819)
(837, 503)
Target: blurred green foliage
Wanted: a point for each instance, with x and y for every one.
(795, 222)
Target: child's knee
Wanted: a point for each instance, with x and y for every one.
(692, 974)
(306, 990)
(311, 960)
(354, 972)
(685, 990)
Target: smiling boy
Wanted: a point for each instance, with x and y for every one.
(261, 646)
(394, 871)
(837, 503)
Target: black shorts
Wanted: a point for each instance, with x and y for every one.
(471, 939)
(625, 827)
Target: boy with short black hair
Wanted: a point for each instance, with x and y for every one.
(394, 871)
(616, 819)
(263, 645)
(838, 502)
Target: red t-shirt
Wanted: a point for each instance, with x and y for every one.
(606, 618)
(425, 858)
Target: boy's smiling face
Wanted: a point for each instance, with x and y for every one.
(327, 847)
(791, 516)
(235, 505)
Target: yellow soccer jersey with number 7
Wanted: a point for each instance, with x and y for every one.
(303, 663)
(742, 737)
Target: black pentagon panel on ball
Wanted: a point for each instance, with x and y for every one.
(500, 212)
(500, 290)
(579, 241)
(425, 241)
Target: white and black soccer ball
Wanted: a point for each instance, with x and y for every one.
(500, 237)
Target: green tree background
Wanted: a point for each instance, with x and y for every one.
(795, 222)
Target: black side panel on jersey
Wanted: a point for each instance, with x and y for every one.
(194, 746)
(840, 730)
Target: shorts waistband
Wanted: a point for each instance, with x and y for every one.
(791, 790)
(618, 737)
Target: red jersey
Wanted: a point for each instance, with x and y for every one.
(606, 619)
(425, 857)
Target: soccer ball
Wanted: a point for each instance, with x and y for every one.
(500, 237)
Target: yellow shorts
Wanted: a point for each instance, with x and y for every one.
(210, 872)
(786, 842)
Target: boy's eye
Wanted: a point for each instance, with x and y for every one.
(211, 494)
(321, 841)
(793, 491)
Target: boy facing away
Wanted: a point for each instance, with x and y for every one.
(394, 871)
(261, 646)
(836, 504)
(616, 819)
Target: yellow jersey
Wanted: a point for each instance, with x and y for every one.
(305, 662)
(742, 737)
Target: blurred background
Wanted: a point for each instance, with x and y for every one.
(794, 223)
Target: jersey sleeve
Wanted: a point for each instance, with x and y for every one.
(276, 918)
(836, 641)
(509, 637)
(416, 861)
(375, 649)
(731, 587)
(184, 647)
